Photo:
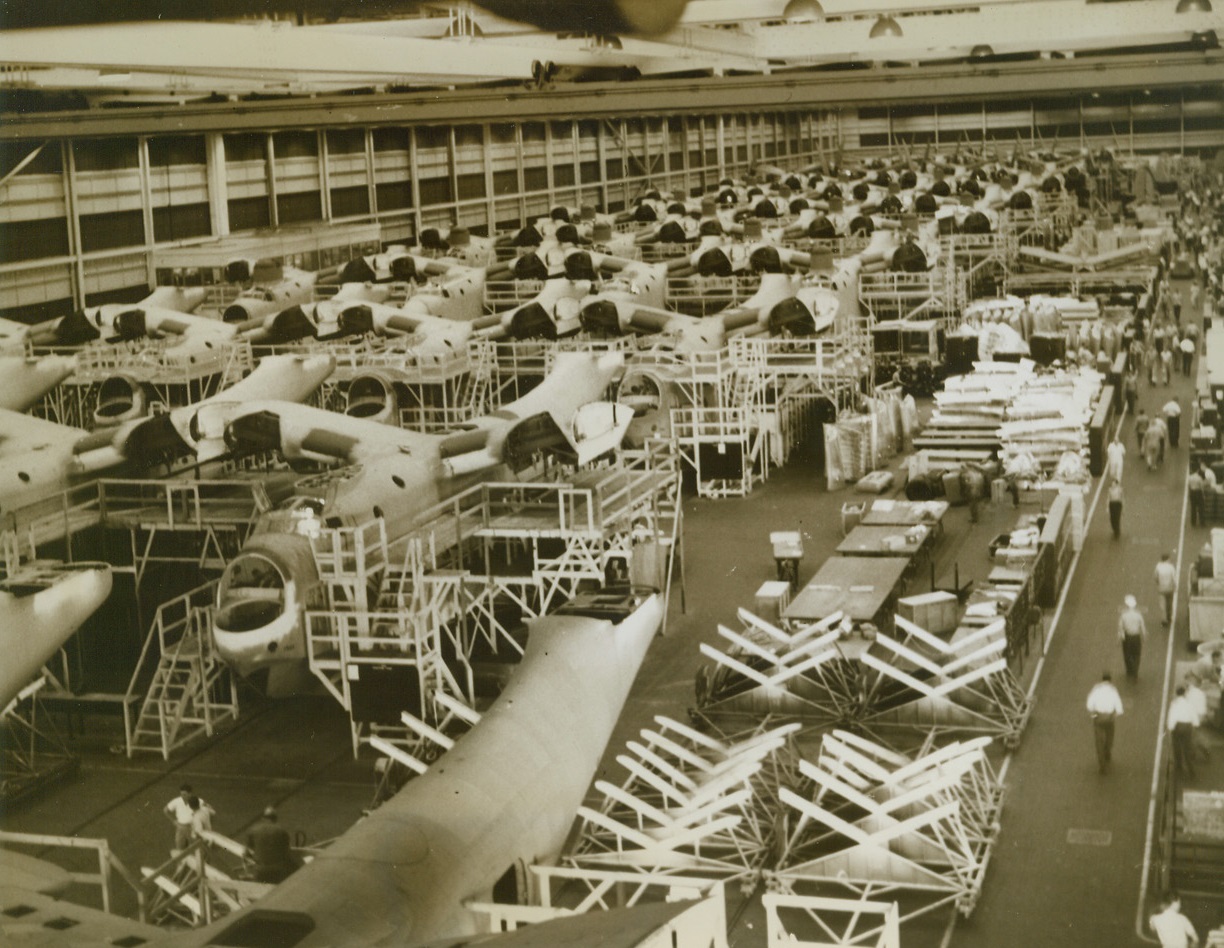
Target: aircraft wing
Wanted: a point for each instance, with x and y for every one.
(28, 380)
(20, 432)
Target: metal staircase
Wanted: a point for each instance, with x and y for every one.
(190, 691)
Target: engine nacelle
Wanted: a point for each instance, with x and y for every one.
(375, 397)
(120, 398)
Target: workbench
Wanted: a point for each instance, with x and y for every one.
(864, 588)
(905, 513)
(866, 540)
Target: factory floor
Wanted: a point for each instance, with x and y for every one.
(1044, 885)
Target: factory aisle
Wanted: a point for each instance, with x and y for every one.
(1068, 865)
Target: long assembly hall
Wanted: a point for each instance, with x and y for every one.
(619, 473)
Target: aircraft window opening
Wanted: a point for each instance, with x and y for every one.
(397, 480)
(378, 512)
(23, 477)
(61, 924)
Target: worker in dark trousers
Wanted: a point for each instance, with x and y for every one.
(269, 845)
(1115, 508)
(1194, 484)
(1132, 630)
(1172, 416)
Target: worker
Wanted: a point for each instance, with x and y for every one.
(1115, 508)
(1132, 630)
(181, 815)
(1115, 455)
(1130, 390)
(1172, 417)
(269, 845)
(1194, 485)
(1187, 347)
(1141, 426)
(1165, 576)
(1173, 928)
(1105, 706)
(1180, 721)
(973, 487)
(1153, 443)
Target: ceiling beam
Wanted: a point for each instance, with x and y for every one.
(781, 91)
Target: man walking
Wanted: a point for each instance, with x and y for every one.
(269, 845)
(1180, 723)
(1132, 630)
(1104, 705)
(1115, 508)
(1172, 415)
(1166, 584)
(1115, 458)
(1194, 484)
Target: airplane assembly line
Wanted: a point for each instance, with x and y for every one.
(706, 557)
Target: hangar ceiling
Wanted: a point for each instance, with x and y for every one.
(58, 54)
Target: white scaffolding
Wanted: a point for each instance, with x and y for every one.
(897, 683)
(886, 826)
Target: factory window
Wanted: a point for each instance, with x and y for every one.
(350, 202)
(711, 157)
(13, 153)
(502, 133)
(246, 147)
(589, 171)
(695, 159)
(1157, 126)
(249, 213)
(113, 229)
(1204, 123)
(561, 131)
(175, 222)
(676, 160)
(563, 176)
(129, 294)
(614, 168)
(177, 150)
(299, 206)
(295, 144)
(393, 195)
(33, 240)
(345, 141)
(536, 179)
(505, 182)
(432, 137)
(390, 139)
(105, 154)
(38, 312)
(471, 186)
(469, 136)
(435, 191)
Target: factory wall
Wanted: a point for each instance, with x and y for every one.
(79, 223)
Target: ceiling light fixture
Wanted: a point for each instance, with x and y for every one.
(1193, 6)
(803, 11)
(887, 26)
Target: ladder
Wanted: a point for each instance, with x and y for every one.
(190, 693)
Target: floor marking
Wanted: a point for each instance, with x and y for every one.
(1083, 837)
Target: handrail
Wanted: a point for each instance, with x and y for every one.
(107, 861)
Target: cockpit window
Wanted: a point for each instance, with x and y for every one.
(254, 572)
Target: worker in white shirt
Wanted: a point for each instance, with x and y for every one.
(1104, 705)
(1166, 584)
(1198, 703)
(1180, 723)
(1172, 415)
(1173, 928)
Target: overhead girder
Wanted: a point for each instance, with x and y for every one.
(795, 91)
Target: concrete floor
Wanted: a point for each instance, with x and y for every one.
(1040, 888)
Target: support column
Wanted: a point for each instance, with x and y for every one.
(68, 164)
(218, 184)
(270, 174)
(146, 208)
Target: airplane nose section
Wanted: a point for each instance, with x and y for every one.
(357, 271)
(530, 267)
(256, 620)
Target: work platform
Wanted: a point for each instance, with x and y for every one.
(408, 618)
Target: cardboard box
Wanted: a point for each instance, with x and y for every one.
(934, 611)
